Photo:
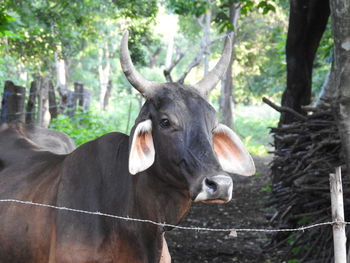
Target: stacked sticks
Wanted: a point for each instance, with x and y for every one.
(306, 152)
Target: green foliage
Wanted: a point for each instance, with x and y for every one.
(291, 239)
(260, 67)
(8, 24)
(183, 7)
(135, 9)
(323, 60)
(266, 7)
(267, 188)
(220, 9)
(83, 127)
(296, 250)
(304, 220)
(252, 124)
(48, 26)
(140, 36)
(86, 126)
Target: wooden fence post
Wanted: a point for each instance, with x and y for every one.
(43, 105)
(31, 104)
(107, 95)
(339, 237)
(71, 103)
(53, 108)
(12, 108)
(86, 98)
(78, 94)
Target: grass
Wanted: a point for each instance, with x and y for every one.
(252, 124)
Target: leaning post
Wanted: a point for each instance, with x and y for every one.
(13, 103)
(339, 237)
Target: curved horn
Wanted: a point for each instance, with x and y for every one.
(144, 86)
(205, 85)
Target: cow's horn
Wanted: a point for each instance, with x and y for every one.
(212, 78)
(144, 86)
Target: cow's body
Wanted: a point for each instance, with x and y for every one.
(177, 153)
(79, 180)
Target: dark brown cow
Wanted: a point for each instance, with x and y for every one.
(177, 153)
(50, 140)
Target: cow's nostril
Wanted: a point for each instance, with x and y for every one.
(212, 186)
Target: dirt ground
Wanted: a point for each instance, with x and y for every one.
(246, 210)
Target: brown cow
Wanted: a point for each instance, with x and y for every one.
(177, 153)
(50, 140)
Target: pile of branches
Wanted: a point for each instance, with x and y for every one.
(306, 152)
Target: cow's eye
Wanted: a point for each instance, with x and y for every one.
(164, 123)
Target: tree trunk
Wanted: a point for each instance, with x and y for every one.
(107, 95)
(153, 58)
(61, 85)
(169, 51)
(44, 116)
(328, 91)
(307, 22)
(226, 96)
(53, 107)
(341, 68)
(71, 103)
(206, 40)
(167, 70)
(104, 68)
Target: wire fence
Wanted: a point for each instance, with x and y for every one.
(193, 228)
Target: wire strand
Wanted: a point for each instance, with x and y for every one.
(194, 228)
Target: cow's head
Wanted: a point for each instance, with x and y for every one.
(177, 135)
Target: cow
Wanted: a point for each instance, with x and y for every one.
(50, 140)
(177, 153)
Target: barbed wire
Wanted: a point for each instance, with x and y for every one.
(193, 228)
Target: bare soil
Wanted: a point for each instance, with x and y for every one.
(246, 210)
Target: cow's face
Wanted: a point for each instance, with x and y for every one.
(177, 136)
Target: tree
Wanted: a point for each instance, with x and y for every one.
(225, 16)
(36, 33)
(341, 69)
(226, 94)
(307, 23)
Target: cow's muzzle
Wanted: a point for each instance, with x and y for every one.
(216, 189)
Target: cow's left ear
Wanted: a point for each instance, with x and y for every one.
(142, 152)
(232, 155)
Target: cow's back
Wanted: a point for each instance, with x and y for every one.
(45, 139)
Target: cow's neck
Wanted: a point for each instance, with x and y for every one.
(161, 202)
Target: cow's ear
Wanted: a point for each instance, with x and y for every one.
(232, 155)
(142, 152)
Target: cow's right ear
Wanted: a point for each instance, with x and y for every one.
(142, 151)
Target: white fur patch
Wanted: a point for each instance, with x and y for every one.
(232, 155)
(142, 151)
